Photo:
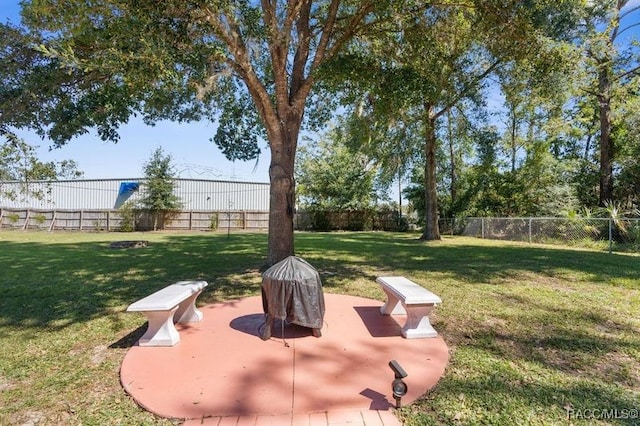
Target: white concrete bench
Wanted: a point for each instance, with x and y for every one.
(406, 297)
(172, 304)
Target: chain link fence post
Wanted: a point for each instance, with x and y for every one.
(610, 236)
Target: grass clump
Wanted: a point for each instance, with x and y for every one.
(537, 333)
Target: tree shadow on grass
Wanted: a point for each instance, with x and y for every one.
(573, 340)
(480, 263)
(524, 400)
(130, 339)
(58, 284)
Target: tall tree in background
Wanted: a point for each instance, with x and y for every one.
(415, 76)
(614, 69)
(629, 155)
(438, 58)
(535, 135)
(332, 176)
(458, 138)
(387, 144)
(249, 64)
(19, 163)
(159, 199)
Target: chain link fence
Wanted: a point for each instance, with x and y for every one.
(597, 233)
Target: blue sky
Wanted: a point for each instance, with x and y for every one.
(194, 155)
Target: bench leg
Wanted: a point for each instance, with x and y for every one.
(187, 311)
(418, 325)
(392, 306)
(161, 331)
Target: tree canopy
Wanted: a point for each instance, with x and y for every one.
(429, 63)
(330, 175)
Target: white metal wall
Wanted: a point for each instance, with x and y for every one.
(102, 194)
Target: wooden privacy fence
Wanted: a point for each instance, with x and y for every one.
(197, 220)
(112, 220)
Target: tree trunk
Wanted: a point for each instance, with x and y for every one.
(431, 229)
(605, 78)
(452, 160)
(606, 143)
(282, 120)
(283, 143)
(514, 136)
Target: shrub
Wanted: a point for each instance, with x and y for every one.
(128, 214)
(214, 222)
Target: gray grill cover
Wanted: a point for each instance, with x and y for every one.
(292, 290)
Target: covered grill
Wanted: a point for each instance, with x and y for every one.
(292, 291)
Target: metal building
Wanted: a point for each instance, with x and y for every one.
(104, 194)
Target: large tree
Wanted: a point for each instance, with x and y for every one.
(438, 58)
(615, 67)
(242, 63)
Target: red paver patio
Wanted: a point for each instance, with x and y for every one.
(221, 372)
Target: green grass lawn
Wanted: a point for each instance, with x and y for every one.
(537, 333)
